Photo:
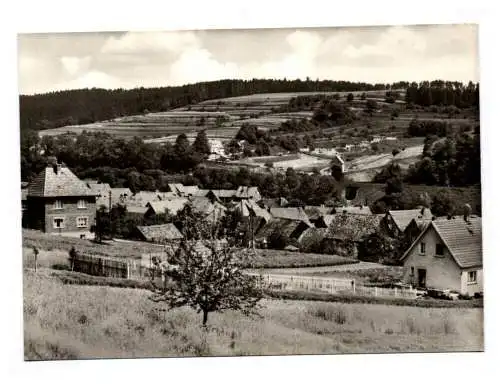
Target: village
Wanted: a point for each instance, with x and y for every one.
(440, 256)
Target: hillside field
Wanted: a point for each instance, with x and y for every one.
(72, 322)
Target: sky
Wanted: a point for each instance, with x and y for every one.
(61, 61)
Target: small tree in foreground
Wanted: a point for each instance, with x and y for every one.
(207, 275)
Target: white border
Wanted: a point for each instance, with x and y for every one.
(99, 15)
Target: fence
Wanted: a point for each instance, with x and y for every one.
(331, 285)
(108, 267)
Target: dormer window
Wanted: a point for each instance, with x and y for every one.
(58, 205)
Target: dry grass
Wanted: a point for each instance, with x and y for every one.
(267, 258)
(70, 322)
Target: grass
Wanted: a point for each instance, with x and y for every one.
(375, 276)
(269, 259)
(72, 322)
(48, 242)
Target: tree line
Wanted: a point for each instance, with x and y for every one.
(443, 93)
(62, 108)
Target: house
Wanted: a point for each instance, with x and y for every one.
(292, 213)
(249, 208)
(447, 255)
(119, 195)
(173, 206)
(211, 211)
(141, 198)
(59, 202)
(222, 195)
(159, 233)
(102, 191)
(289, 228)
(246, 192)
(346, 232)
(414, 228)
(136, 212)
(396, 221)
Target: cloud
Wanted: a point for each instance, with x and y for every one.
(73, 64)
(94, 79)
(134, 59)
(150, 43)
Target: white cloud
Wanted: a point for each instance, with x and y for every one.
(93, 79)
(150, 42)
(73, 64)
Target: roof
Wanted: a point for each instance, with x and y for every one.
(120, 191)
(62, 183)
(224, 193)
(175, 188)
(287, 227)
(295, 213)
(351, 226)
(360, 210)
(248, 206)
(316, 212)
(463, 239)
(402, 218)
(166, 231)
(202, 205)
(136, 209)
(172, 205)
(274, 202)
(100, 188)
(141, 198)
(312, 233)
(189, 190)
(248, 192)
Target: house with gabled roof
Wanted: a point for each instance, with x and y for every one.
(165, 233)
(59, 202)
(292, 213)
(396, 221)
(173, 206)
(447, 255)
(346, 232)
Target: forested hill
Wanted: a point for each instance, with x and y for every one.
(57, 109)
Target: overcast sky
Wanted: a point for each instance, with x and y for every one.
(49, 62)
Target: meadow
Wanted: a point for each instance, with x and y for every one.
(72, 322)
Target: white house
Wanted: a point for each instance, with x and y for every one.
(447, 255)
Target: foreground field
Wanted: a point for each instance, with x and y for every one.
(70, 322)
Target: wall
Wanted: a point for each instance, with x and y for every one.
(70, 212)
(442, 272)
(472, 288)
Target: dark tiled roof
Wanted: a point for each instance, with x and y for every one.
(464, 240)
(61, 184)
(352, 226)
(402, 218)
(159, 233)
(287, 227)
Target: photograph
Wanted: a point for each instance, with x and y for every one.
(250, 192)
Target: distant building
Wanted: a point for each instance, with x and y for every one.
(59, 202)
(447, 256)
(396, 221)
(165, 233)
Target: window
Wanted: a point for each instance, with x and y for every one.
(58, 205)
(82, 222)
(58, 223)
(472, 277)
(412, 271)
(82, 204)
(422, 247)
(439, 249)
